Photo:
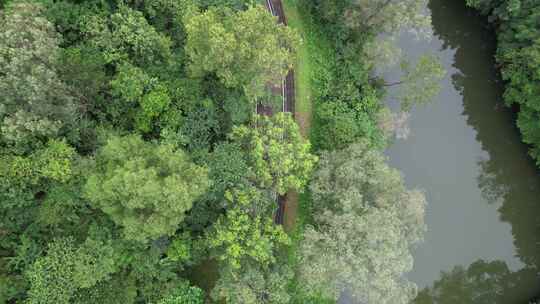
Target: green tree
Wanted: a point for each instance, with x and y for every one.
(521, 71)
(339, 125)
(278, 156)
(227, 168)
(184, 294)
(366, 222)
(367, 255)
(238, 237)
(119, 289)
(34, 103)
(127, 36)
(355, 178)
(518, 56)
(141, 98)
(144, 187)
(246, 49)
(22, 178)
(57, 276)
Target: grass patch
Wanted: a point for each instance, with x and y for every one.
(310, 59)
(303, 102)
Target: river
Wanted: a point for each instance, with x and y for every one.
(464, 151)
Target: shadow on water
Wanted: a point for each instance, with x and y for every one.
(508, 177)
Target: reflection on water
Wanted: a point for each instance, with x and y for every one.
(481, 283)
(483, 243)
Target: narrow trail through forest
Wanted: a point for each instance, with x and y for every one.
(287, 88)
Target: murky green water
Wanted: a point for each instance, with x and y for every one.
(483, 190)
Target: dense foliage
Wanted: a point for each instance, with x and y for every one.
(518, 56)
(130, 151)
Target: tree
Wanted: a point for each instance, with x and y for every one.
(127, 36)
(366, 222)
(340, 125)
(386, 19)
(367, 255)
(184, 294)
(134, 88)
(144, 187)
(278, 156)
(23, 178)
(388, 16)
(254, 285)
(246, 49)
(227, 168)
(518, 56)
(237, 237)
(521, 72)
(355, 178)
(504, 10)
(34, 103)
(56, 277)
(420, 83)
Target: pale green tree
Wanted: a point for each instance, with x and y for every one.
(34, 103)
(356, 178)
(367, 255)
(421, 82)
(278, 156)
(254, 285)
(366, 223)
(387, 19)
(389, 16)
(246, 49)
(144, 187)
(52, 163)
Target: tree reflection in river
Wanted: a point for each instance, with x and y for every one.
(481, 283)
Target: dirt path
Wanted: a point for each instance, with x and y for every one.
(288, 204)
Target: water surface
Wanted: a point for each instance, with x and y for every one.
(483, 190)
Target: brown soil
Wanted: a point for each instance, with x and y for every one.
(291, 208)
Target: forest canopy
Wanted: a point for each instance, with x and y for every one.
(133, 156)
